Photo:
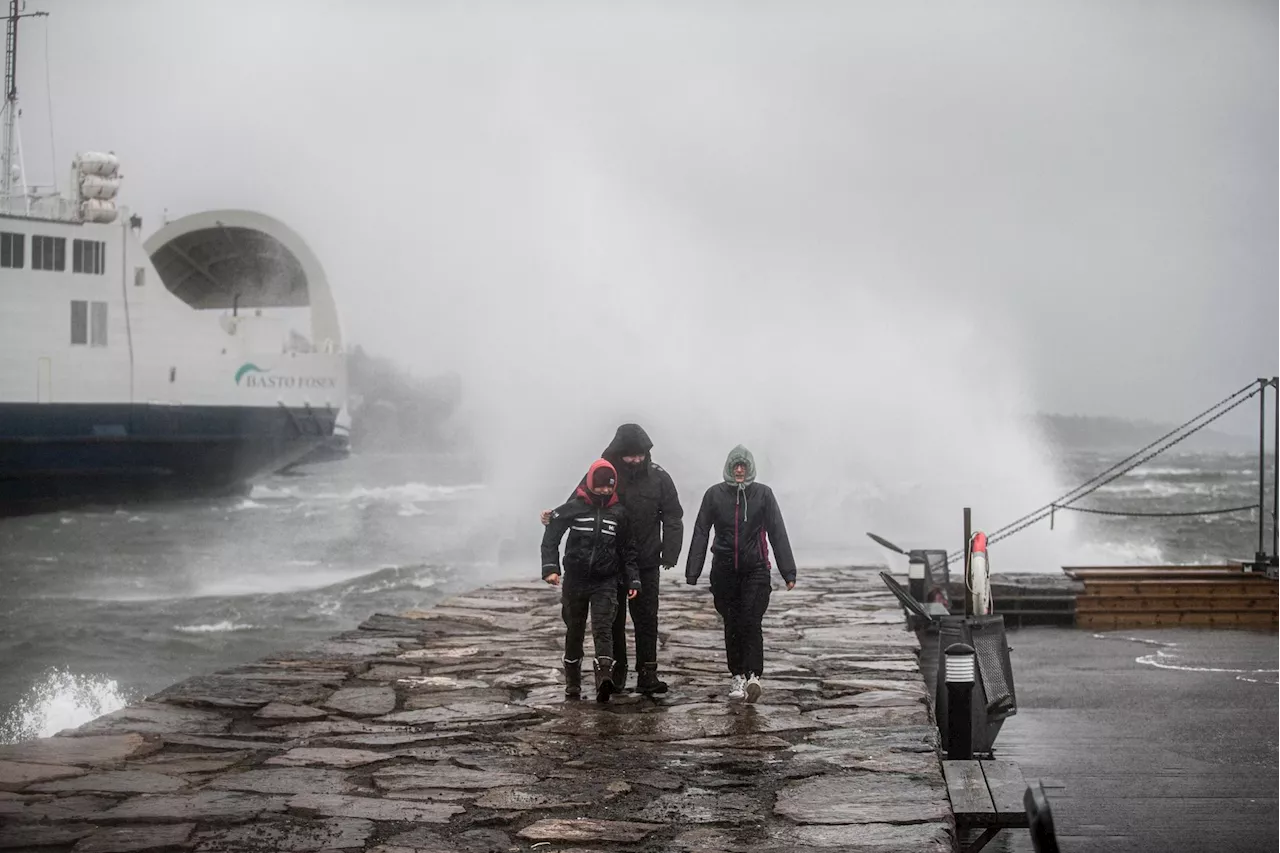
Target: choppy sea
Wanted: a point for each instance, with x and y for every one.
(105, 604)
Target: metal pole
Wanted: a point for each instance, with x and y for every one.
(1275, 476)
(960, 677)
(10, 95)
(964, 576)
(1261, 554)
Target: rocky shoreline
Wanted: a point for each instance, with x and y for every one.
(447, 730)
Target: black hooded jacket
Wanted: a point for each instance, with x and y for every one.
(601, 547)
(740, 530)
(649, 494)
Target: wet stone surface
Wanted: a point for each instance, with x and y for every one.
(446, 731)
(136, 839)
(362, 701)
(117, 782)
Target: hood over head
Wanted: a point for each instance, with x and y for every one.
(629, 440)
(600, 473)
(740, 454)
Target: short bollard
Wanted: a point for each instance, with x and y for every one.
(915, 577)
(960, 675)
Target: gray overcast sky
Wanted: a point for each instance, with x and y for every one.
(853, 234)
(1097, 179)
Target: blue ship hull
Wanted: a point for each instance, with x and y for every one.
(54, 455)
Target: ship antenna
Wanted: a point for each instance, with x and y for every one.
(11, 95)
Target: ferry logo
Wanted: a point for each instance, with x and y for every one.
(248, 376)
(247, 368)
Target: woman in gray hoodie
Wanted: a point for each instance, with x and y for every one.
(746, 519)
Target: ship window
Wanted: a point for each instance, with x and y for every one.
(89, 256)
(48, 253)
(79, 322)
(98, 326)
(11, 249)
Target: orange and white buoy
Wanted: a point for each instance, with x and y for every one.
(978, 575)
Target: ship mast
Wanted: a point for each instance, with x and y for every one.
(10, 153)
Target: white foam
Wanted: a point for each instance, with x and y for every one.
(1165, 489)
(401, 494)
(1255, 680)
(215, 627)
(61, 700)
(266, 492)
(1130, 552)
(1166, 659)
(248, 504)
(267, 580)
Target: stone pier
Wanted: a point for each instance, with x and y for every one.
(446, 731)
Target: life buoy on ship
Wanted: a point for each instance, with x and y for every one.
(978, 574)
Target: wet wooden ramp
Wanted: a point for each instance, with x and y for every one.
(1174, 596)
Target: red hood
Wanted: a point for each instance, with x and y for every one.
(595, 500)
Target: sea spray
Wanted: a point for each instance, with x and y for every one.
(61, 700)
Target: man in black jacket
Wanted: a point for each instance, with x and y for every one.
(599, 558)
(649, 494)
(742, 512)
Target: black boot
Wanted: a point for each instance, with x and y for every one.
(604, 679)
(647, 679)
(620, 676)
(573, 678)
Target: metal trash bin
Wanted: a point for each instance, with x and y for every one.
(993, 698)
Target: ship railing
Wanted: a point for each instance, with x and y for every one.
(40, 206)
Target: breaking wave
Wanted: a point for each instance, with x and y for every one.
(406, 493)
(61, 700)
(215, 628)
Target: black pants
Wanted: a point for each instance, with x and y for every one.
(598, 600)
(741, 598)
(644, 618)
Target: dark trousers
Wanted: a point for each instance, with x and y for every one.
(741, 598)
(599, 601)
(644, 618)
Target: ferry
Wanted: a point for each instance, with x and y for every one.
(191, 362)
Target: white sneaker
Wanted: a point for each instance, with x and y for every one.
(737, 687)
(752, 688)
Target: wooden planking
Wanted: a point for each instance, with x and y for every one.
(1162, 601)
(968, 791)
(1200, 588)
(1174, 599)
(1155, 572)
(1007, 787)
